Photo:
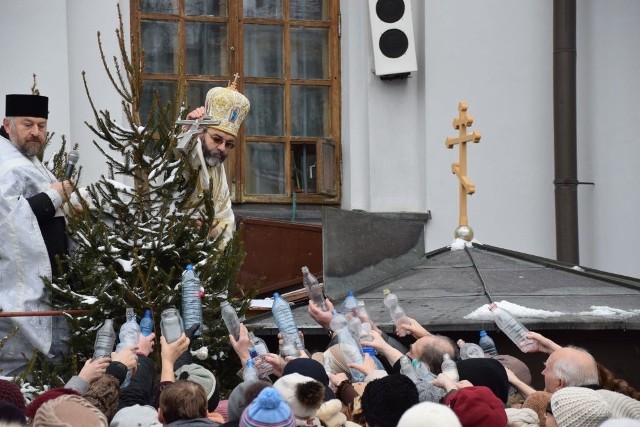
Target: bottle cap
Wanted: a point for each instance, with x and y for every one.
(386, 292)
(276, 295)
(483, 333)
(305, 269)
(189, 267)
(369, 350)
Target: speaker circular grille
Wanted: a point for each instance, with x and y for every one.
(390, 11)
(393, 43)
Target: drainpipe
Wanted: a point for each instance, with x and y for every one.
(564, 130)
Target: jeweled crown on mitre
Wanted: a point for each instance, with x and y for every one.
(228, 106)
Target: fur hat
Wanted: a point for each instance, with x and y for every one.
(438, 415)
(385, 400)
(303, 394)
(228, 106)
(10, 392)
(477, 407)
(486, 372)
(330, 413)
(32, 408)
(538, 401)
(622, 406)
(522, 417)
(267, 409)
(69, 410)
(136, 416)
(579, 406)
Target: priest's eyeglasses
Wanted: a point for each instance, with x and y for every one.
(218, 140)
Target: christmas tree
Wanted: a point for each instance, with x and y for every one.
(133, 241)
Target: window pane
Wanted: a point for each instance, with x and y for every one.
(264, 173)
(155, 6)
(303, 168)
(309, 53)
(159, 43)
(270, 9)
(328, 167)
(205, 7)
(263, 51)
(267, 105)
(308, 10)
(197, 92)
(206, 48)
(166, 93)
(310, 110)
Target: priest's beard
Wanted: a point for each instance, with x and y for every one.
(214, 157)
(30, 147)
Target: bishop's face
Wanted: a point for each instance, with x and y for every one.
(28, 134)
(215, 146)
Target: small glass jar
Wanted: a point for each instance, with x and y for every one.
(171, 325)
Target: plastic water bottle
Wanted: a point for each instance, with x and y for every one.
(250, 373)
(105, 340)
(487, 344)
(350, 305)
(286, 324)
(512, 328)
(422, 371)
(349, 346)
(469, 350)
(171, 326)
(397, 313)
(258, 352)
(328, 368)
(407, 369)
(314, 290)
(191, 300)
(230, 318)
(449, 368)
(146, 324)
(129, 335)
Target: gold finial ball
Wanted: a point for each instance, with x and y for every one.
(464, 232)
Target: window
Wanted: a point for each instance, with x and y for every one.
(287, 54)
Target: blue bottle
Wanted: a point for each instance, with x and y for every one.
(146, 324)
(487, 345)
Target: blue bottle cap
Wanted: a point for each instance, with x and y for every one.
(369, 350)
(483, 333)
(276, 295)
(189, 267)
(350, 294)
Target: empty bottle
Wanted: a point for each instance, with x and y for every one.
(449, 368)
(105, 340)
(258, 352)
(328, 367)
(249, 373)
(286, 324)
(407, 369)
(146, 324)
(515, 330)
(129, 335)
(469, 350)
(230, 318)
(191, 300)
(487, 344)
(348, 344)
(171, 326)
(422, 371)
(314, 290)
(350, 305)
(397, 313)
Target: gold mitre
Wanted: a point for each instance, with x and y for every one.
(228, 106)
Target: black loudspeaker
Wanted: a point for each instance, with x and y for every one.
(394, 48)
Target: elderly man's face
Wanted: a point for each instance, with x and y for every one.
(27, 133)
(215, 146)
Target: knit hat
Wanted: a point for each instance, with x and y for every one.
(429, 392)
(267, 409)
(228, 106)
(330, 413)
(621, 422)
(438, 415)
(310, 368)
(104, 394)
(136, 416)
(242, 396)
(477, 407)
(522, 417)
(10, 413)
(303, 394)
(10, 392)
(32, 408)
(517, 366)
(69, 410)
(201, 375)
(579, 406)
(487, 372)
(385, 400)
(27, 106)
(622, 406)
(538, 401)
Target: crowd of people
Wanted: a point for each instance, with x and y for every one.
(319, 389)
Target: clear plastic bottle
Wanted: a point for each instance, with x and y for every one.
(191, 300)
(171, 326)
(146, 324)
(350, 305)
(105, 340)
(515, 330)
(469, 350)
(406, 368)
(449, 368)
(129, 335)
(397, 313)
(286, 323)
(258, 352)
(328, 368)
(349, 346)
(230, 318)
(314, 290)
(487, 344)
(422, 371)
(249, 373)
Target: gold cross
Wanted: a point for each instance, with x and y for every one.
(236, 76)
(460, 169)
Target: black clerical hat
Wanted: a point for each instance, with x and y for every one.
(27, 106)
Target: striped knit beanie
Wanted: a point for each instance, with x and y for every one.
(267, 409)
